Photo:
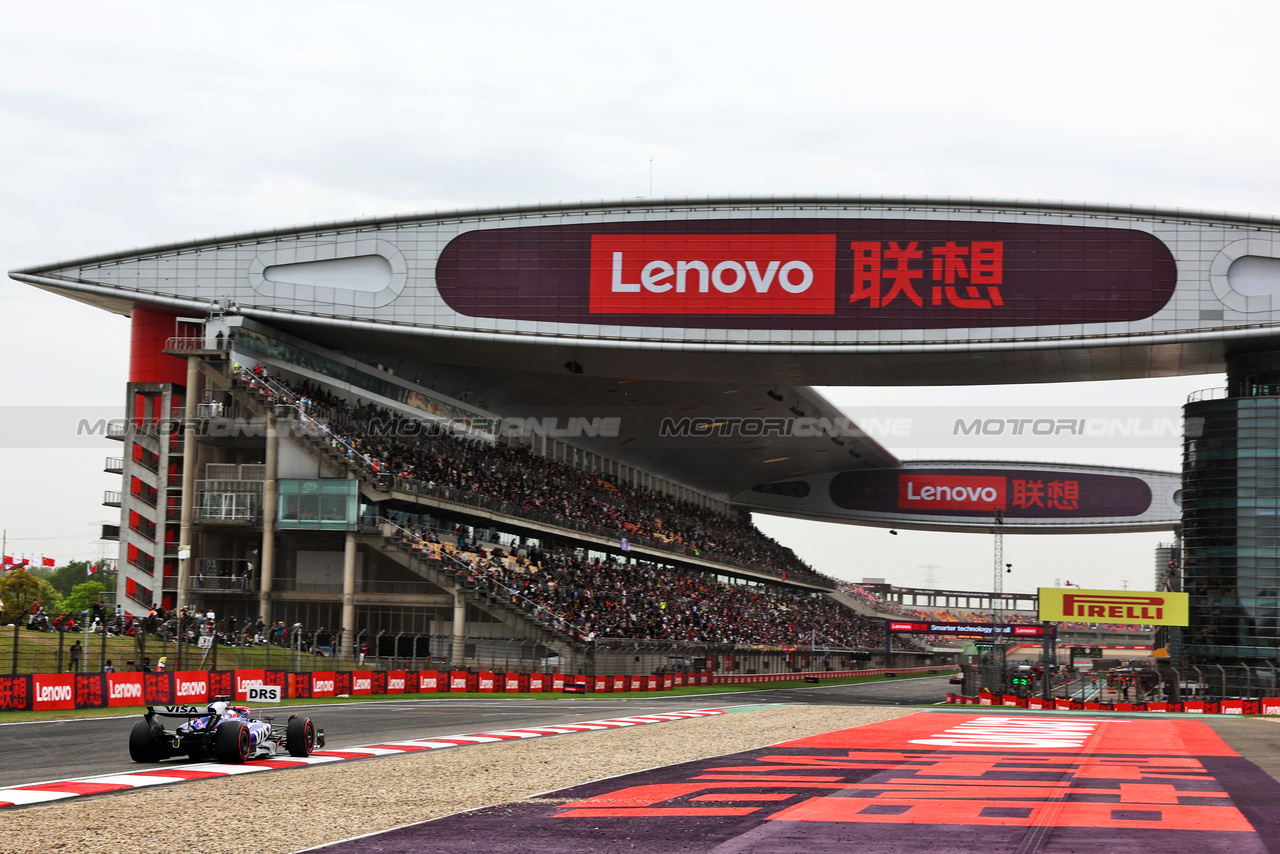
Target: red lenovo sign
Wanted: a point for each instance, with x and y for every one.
(950, 492)
(713, 274)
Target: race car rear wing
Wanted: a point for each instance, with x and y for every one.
(187, 712)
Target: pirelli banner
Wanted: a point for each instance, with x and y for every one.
(1135, 607)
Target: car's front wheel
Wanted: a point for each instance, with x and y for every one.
(232, 742)
(300, 737)
(142, 743)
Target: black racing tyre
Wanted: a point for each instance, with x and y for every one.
(142, 743)
(232, 742)
(300, 737)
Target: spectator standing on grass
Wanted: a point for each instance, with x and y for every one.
(74, 666)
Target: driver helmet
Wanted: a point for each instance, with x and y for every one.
(218, 709)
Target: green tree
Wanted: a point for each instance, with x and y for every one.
(65, 578)
(81, 599)
(18, 589)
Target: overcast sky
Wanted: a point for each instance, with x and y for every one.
(132, 124)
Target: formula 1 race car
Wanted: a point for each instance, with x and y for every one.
(221, 732)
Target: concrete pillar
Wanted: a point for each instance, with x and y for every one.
(270, 502)
(349, 596)
(459, 652)
(188, 483)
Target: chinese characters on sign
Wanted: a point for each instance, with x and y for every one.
(886, 270)
(1053, 495)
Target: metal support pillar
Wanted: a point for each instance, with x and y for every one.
(188, 484)
(270, 492)
(349, 596)
(459, 652)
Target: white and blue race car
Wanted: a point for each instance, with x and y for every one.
(221, 732)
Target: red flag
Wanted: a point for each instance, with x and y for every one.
(48, 562)
(93, 567)
(25, 562)
(8, 561)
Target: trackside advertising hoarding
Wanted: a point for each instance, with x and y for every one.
(1130, 607)
(975, 630)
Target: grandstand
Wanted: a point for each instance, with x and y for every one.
(546, 427)
(464, 540)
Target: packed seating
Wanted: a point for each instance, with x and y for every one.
(616, 599)
(390, 446)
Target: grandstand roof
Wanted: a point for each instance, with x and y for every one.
(728, 309)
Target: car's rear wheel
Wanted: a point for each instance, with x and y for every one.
(300, 737)
(142, 743)
(232, 742)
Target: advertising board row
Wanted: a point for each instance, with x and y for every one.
(54, 691)
(1264, 706)
(1030, 631)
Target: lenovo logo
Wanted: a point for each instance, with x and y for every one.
(191, 690)
(322, 685)
(53, 693)
(124, 691)
(713, 274)
(362, 684)
(950, 492)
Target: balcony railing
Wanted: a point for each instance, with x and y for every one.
(113, 465)
(229, 505)
(145, 528)
(111, 499)
(198, 344)
(1219, 393)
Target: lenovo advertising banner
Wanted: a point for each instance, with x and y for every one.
(190, 687)
(125, 689)
(1124, 607)
(53, 691)
(797, 273)
(1004, 631)
(323, 685)
(980, 492)
(246, 679)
